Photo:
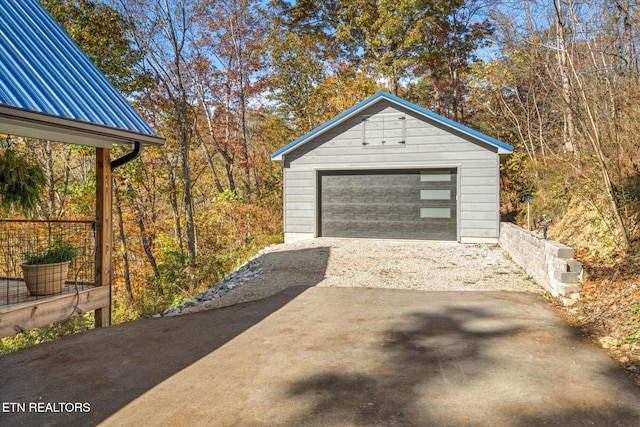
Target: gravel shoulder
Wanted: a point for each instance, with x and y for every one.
(361, 263)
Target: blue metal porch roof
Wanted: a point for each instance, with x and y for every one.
(43, 71)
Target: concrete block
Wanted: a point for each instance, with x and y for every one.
(561, 264)
(558, 250)
(564, 264)
(565, 252)
(566, 276)
(575, 266)
(564, 289)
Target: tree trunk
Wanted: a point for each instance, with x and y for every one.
(144, 238)
(173, 198)
(183, 140)
(125, 251)
(568, 133)
(594, 137)
(186, 179)
(626, 46)
(212, 136)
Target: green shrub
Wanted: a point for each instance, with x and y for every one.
(632, 339)
(59, 251)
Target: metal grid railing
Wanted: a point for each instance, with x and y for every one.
(18, 237)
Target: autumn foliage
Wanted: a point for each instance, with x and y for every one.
(227, 82)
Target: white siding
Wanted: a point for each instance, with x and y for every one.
(427, 146)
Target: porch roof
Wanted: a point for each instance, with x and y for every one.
(49, 89)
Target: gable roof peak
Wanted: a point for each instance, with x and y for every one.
(502, 148)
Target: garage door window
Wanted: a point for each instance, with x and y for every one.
(435, 212)
(435, 177)
(435, 194)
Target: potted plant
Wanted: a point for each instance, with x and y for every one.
(22, 181)
(45, 271)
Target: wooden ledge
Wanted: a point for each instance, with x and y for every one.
(21, 317)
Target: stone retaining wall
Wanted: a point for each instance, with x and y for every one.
(550, 263)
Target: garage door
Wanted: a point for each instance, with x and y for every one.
(394, 204)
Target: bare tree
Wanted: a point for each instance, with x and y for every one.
(161, 29)
(580, 50)
(561, 46)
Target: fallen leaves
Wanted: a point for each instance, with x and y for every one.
(608, 311)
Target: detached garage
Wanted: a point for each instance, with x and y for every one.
(388, 169)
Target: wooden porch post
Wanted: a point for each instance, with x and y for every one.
(103, 230)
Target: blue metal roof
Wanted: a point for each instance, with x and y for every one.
(43, 71)
(501, 146)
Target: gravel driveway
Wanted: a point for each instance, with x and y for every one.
(330, 262)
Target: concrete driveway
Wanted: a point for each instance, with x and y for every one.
(327, 357)
(324, 356)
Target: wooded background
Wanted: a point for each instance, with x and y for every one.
(227, 82)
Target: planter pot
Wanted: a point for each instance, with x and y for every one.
(45, 279)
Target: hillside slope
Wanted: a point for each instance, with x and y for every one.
(608, 311)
